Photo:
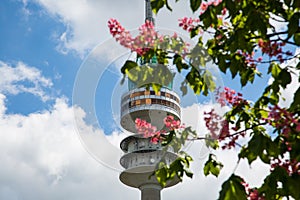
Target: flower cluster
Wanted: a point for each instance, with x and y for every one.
(249, 58)
(172, 124)
(115, 28)
(204, 5)
(188, 24)
(213, 122)
(230, 97)
(147, 39)
(139, 44)
(252, 193)
(219, 127)
(291, 166)
(283, 120)
(145, 128)
(120, 34)
(273, 48)
(150, 131)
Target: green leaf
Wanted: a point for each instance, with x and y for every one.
(287, 2)
(296, 101)
(261, 146)
(293, 25)
(183, 88)
(168, 6)
(210, 142)
(162, 174)
(212, 166)
(157, 5)
(194, 32)
(156, 87)
(209, 81)
(247, 76)
(206, 18)
(128, 66)
(296, 4)
(195, 4)
(270, 183)
(275, 69)
(293, 186)
(233, 69)
(284, 78)
(232, 189)
(177, 60)
(297, 38)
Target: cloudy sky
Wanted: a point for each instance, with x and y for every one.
(59, 103)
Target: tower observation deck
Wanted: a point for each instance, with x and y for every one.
(141, 156)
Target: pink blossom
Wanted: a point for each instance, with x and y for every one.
(150, 131)
(188, 24)
(224, 11)
(171, 123)
(147, 39)
(203, 6)
(230, 97)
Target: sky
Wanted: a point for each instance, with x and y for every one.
(59, 103)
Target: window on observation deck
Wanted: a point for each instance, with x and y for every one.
(148, 101)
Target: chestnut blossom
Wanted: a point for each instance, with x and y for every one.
(171, 123)
(273, 49)
(284, 120)
(148, 130)
(188, 24)
(291, 166)
(252, 193)
(231, 98)
(148, 38)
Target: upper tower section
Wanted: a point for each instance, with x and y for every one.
(149, 14)
(146, 103)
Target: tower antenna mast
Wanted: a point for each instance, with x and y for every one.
(149, 13)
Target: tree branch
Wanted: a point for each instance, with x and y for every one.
(269, 35)
(284, 59)
(230, 135)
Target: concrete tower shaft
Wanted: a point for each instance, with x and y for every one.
(141, 156)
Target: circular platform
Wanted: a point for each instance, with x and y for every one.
(150, 106)
(139, 176)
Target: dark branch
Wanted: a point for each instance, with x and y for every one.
(230, 135)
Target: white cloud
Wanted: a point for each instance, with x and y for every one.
(42, 158)
(23, 78)
(86, 21)
(289, 92)
(277, 23)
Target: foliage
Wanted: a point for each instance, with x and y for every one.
(243, 39)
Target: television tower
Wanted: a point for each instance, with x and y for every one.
(141, 156)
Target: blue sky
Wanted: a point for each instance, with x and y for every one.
(46, 47)
(30, 38)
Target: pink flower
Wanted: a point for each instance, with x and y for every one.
(230, 97)
(147, 39)
(224, 11)
(171, 123)
(203, 6)
(298, 127)
(188, 24)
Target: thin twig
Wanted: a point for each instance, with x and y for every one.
(276, 60)
(231, 135)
